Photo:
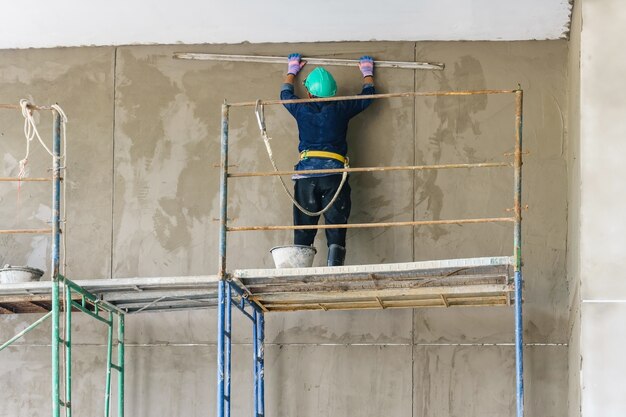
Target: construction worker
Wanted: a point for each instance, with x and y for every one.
(322, 130)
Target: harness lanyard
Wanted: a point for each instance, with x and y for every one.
(259, 110)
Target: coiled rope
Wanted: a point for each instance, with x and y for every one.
(30, 133)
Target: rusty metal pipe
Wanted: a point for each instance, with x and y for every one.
(517, 250)
(223, 193)
(374, 225)
(24, 231)
(371, 169)
(18, 107)
(373, 96)
(16, 179)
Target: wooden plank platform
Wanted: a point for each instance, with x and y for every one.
(129, 294)
(445, 283)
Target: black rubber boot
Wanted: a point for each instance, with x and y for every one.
(336, 255)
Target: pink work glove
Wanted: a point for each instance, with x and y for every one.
(295, 64)
(366, 65)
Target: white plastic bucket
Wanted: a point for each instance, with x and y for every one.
(293, 256)
(14, 274)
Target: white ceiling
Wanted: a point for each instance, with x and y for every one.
(40, 23)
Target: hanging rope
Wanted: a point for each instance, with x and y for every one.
(259, 110)
(30, 133)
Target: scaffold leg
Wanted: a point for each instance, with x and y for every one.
(56, 398)
(260, 326)
(255, 362)
(221, 318)
(259, 365)
(121, 365)
(55, 259)
(107, 388)
(68, 350)
(228, 309)
(519, 345)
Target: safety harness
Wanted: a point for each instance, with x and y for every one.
(324, 154)
(260, 117)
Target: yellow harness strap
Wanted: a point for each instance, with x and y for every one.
(323, 154)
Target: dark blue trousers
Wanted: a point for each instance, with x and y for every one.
(314, 194)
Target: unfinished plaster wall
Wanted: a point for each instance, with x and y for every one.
(145, 130)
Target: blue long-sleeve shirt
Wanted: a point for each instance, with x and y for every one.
(323, 126)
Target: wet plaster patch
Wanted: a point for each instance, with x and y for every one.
(456, 120)
(160, 164)
(483, 131)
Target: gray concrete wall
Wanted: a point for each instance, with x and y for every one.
(143, 195)
(602, 146)
(573, 211)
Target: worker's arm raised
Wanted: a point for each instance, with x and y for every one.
(287, 90)
(354, 107)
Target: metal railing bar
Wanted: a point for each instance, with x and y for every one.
(374, 225)
(25, 231)
(26, 330)
(17, 179)
(373, 169)
(372, 97)
(18, 107)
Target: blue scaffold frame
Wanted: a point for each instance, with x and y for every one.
(250, 310)
(63, 293)
(227, 287)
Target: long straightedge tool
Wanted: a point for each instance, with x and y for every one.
(314, 61)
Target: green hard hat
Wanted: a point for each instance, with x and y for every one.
(321, 83)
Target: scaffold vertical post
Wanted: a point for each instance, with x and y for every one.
(228, 330)
(260, 363)
(107, 388)
(67, 307)
(55, 257)
(517, 236)
(255, 362)
(120, 364)
(223, 286)
(220, 346)
(223, 192)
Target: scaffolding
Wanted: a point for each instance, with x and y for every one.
(472, 281)
(486, 281)
(62, 294)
